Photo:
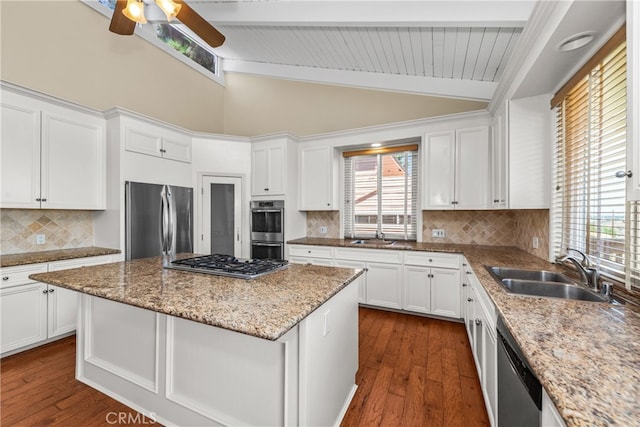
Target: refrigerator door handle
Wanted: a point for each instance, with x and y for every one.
(171, 209)
(164, 220)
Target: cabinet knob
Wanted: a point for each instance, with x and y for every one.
(45, 291)
(464, 285)
(38, 199)
(430, 260)
(454, 203)
(44, 200)
(162, 150)
(468, 272)
(478, 322)
(5, 278)
(266, 189)
(328, 204)
(308, 252)
(469, 299)
(51, 290)
(496, 201)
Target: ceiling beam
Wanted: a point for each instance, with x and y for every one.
(447, 88)
(450, 13)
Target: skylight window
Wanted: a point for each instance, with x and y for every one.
(179, 38)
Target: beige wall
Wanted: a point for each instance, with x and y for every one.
(64, 48)
(259, 105)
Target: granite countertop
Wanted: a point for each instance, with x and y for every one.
(585, 354)
(265, 307)
(13, 260)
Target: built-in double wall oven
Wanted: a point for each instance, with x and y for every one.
(267, 229)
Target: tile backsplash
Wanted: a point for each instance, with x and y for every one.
(494, 228)
(63, 229)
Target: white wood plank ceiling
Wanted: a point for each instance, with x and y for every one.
(444, 48)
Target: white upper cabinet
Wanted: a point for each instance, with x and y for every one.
(529, 150)
(315, 171)
(20, 151)
(153, 140)
(633, 98)
(52, 157)
(456, 166)
(268, 168)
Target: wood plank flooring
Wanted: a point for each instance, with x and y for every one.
(413, 371)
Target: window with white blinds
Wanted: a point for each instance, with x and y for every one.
(380, 193)
(590, 211)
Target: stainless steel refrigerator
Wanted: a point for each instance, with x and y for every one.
(158, 220)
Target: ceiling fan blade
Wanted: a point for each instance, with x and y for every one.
(199, 25)
(120, 24)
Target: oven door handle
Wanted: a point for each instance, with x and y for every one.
(266, 244)
(266, 210)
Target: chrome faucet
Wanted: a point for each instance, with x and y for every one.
(380, 235)
(590, 275)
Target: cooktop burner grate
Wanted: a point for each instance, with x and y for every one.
(227, 265)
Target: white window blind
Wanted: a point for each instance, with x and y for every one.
(380, 194)
(590, 209)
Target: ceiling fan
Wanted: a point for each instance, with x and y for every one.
(129, 12)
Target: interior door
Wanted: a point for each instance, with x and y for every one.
(221, 215)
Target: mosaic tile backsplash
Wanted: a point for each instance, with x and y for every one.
(494, 228)
(63, 229)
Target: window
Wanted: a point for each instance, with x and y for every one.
(176, 36)
(590, 210)
(381, 187)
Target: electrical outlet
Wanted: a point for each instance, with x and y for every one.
(323, 229)
(40, 239)
(437, 232)
(535, 243)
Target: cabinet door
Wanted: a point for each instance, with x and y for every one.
(142, 138)
(276, 169)
(499, 160)
(19, 152)
(470, 320)
(490, 370)
(417, 289)
(362, 283)
(439, 161)
(316, 180)
(259, 171)
(73, 160)
(384, 285)
(62, 311)
(550, 415)
(23, 311)
(472, 168)
(445, 292)
(176, 147)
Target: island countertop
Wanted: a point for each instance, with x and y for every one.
(265, 307)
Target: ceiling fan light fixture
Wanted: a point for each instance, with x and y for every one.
(135, 11)
(169, 7)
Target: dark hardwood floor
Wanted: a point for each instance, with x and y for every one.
(414, 371)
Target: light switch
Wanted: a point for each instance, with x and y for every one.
(40, 239)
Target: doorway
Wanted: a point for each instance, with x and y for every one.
(221, 215)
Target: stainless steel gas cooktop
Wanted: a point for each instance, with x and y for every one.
(228, 265)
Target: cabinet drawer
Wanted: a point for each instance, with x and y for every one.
(12, 276)
(431, 259)
(370, 255)
(311, 251)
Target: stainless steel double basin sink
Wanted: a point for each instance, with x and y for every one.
(543, 283)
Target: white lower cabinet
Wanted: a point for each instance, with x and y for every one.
(34, 312)
(480, 320)
(362, 286)
(383, 284)
(23, 311)
(550, 415)
(432, 290)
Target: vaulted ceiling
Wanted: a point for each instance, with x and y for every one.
(445, 48)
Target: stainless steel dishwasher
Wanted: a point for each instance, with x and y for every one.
(519, 391)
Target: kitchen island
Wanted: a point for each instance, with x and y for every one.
(195, 349)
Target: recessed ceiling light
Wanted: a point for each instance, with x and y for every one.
(376, 144)
(576, 41)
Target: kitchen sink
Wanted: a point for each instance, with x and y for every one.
(375, 242)
(542, 283)
(537, 275)
(551, 289)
